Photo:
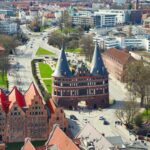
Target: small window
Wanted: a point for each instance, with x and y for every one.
(15, 108)
(57, 118)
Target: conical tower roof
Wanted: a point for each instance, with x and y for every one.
(62, 68)
(98, 67)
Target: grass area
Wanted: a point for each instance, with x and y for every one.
(76, 50)
(146, 114)
(45, 70)
(48, 84)
(42, 51)
(3, 83)
(69, 30)
(17, 146)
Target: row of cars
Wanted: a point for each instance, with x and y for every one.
(105, 122)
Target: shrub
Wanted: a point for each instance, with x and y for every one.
(138, 120)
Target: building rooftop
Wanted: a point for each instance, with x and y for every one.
(62, 68)
(121, 56)
(4, 101)
(61, 140)
(98, 67)
(90, 136)
(16, 96)
(30, 94)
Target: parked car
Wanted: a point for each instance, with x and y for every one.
(106, 122)
(101, 118)
(73, 117)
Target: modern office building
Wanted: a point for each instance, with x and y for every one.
(110, 18)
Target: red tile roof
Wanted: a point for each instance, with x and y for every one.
(4, 101)
(16, 96)
(28, 146)
(49, 15)
(61, 140)
(51, 106)
(121, 56)
(30, 94)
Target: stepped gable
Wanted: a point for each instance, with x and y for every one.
(62, 68)
(30, 94)
(58, 138)
(98, 67)
(4, 101)
(16, 96)
(51, 106)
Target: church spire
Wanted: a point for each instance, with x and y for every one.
(98, 67)
(62, 68)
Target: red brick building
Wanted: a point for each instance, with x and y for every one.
(28, 116)
(70, 88)
(115, 61)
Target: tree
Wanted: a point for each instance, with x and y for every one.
(9, 43)
(127, 112)
(87, 46)
(137, 79)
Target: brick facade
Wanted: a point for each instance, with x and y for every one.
(81, 84)
(29, 118)
(116, 61)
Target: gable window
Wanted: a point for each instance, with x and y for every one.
(15, 108)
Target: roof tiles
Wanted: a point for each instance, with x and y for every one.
(61, 140)
(16, 96)
(120, 55)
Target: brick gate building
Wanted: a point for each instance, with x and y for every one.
(71, 87)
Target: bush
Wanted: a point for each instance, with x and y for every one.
(138, 120)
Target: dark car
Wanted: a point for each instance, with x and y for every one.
(106, 122)
(73, 117)
(101, 118)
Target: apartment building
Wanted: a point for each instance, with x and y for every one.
(8, 26)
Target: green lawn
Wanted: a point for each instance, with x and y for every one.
(17, 146)
(70, 30)
(3, 83)
(45, 70)
(48, 84)
(76, 50)
(146, 114)
(42, 51)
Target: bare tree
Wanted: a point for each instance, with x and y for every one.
(87, 46)
(137, 79)
(127, 112)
